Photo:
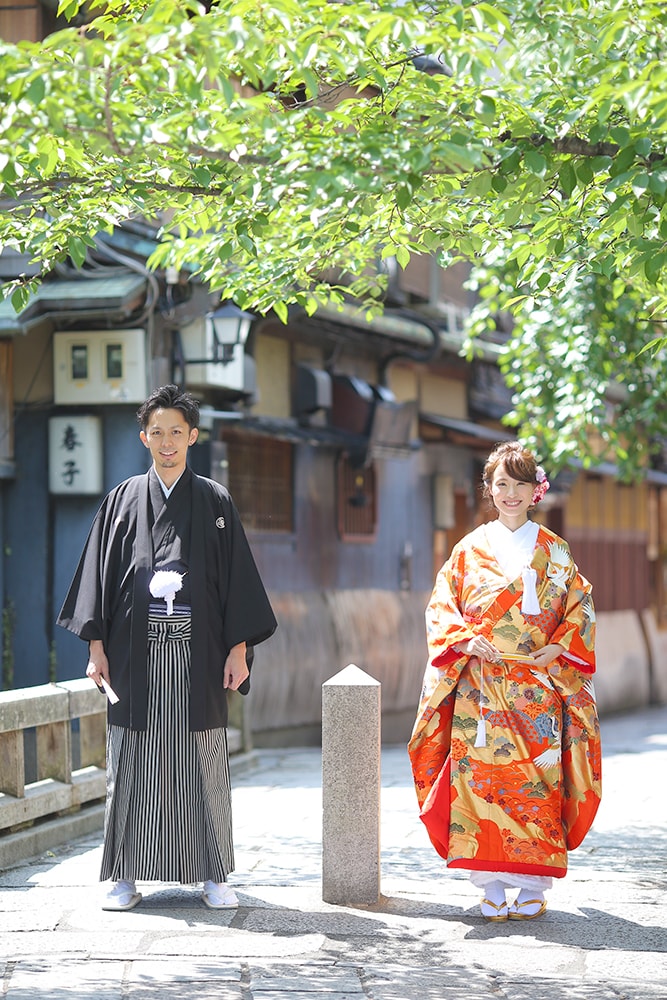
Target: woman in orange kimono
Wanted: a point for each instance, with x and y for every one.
(505, 750)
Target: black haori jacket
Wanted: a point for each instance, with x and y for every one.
(109, 596)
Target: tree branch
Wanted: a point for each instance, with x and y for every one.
(572, 145)
(108, 117)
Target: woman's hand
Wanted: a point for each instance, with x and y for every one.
(236, 668)
(543, 657)
(480, 647)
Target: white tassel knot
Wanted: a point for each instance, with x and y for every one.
(165, 583)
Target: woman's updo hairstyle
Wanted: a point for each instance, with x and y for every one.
(519, 463)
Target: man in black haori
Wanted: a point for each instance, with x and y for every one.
(169, 598)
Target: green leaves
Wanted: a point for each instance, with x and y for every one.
(282, 142)
(535, 162)
(278, 141)
(583, 365)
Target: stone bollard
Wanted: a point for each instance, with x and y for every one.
(351, 788)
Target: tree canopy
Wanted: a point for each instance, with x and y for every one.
(281, 141)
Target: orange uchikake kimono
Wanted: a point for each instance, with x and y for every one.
(506, 756)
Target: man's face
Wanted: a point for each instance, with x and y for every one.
(168, 437)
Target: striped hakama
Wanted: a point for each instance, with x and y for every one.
(168, 811)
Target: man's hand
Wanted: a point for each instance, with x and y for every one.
(236, 668)
(98, 665)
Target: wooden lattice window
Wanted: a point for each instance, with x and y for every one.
(261, 480)
(356, 502)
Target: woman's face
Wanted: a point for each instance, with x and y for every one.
(511, 498)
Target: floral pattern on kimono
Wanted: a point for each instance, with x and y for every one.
(506, 756)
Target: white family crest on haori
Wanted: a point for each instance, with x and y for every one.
(165, 583)
(559, 565)
(219, 522)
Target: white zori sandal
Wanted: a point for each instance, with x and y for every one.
(219, 896)
(122, 896)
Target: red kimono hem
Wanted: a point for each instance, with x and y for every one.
(473, 864)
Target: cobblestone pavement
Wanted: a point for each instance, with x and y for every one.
(603, 937)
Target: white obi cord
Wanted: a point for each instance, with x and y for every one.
(529, 602)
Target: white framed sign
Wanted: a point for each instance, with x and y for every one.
(75, 455)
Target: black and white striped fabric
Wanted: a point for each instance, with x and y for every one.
(168, 813)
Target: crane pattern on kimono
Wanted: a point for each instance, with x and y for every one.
(559, 566)
(538, 734)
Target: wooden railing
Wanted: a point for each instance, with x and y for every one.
(64, 727)
(52, 764)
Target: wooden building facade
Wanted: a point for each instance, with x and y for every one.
(353, 450)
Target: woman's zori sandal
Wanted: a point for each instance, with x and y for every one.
(493, 911)
(517, 911)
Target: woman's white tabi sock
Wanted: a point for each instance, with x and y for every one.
(495, 892)
(527, 894)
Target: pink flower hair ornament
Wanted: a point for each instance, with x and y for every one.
(543, 484)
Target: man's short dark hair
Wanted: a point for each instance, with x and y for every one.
(170, 397)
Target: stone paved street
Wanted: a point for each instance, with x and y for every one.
(604, 936)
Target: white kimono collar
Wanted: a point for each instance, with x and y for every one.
(514, 552)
